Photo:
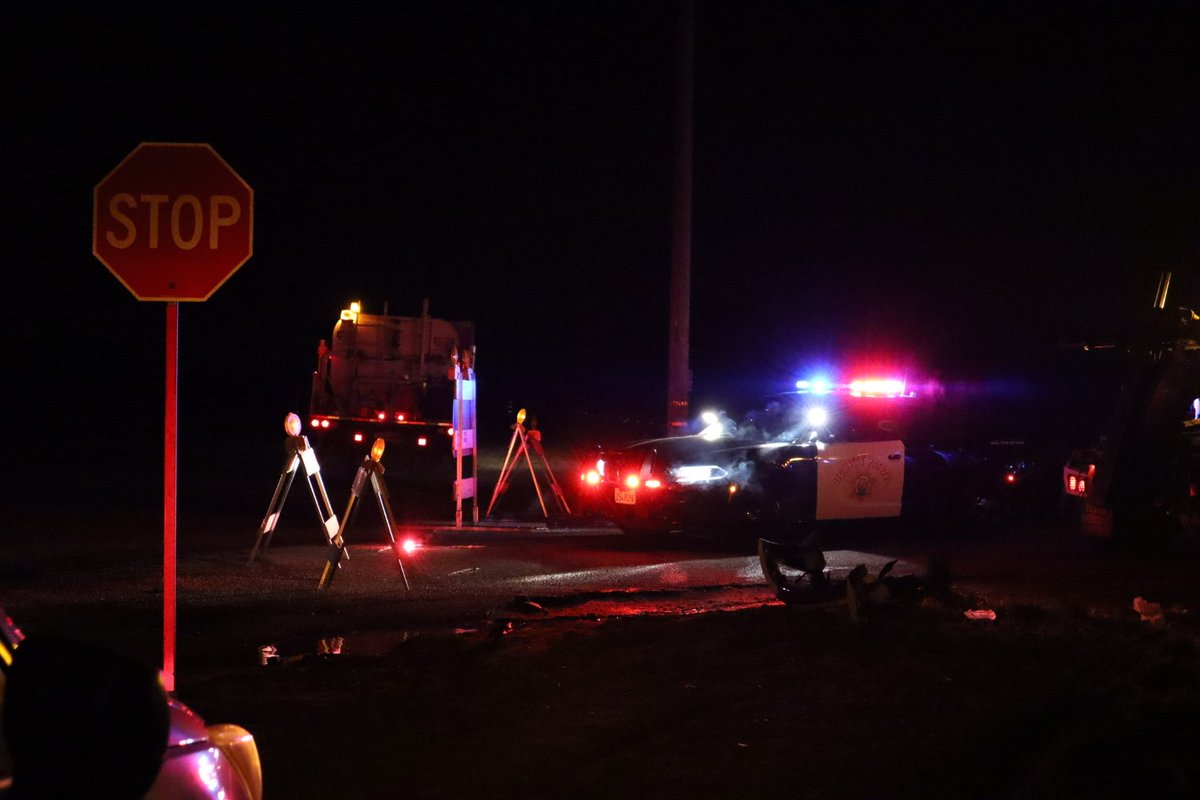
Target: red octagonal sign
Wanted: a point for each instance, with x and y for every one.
(173, 221)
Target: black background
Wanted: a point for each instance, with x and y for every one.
(953, 188)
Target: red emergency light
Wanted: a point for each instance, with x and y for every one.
(857, 387)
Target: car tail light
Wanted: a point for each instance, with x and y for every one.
(653, 483)
(632, 481)
(591, 477)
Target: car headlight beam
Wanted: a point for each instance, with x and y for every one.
(698, 473)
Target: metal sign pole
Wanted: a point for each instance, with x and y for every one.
(170, 482)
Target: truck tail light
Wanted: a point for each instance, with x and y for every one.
(1076, 481)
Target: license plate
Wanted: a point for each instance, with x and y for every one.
(625, 497)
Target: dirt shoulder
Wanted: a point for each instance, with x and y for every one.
(918, 701)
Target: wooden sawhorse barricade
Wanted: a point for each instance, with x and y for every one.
(300, 455)
(370, 473)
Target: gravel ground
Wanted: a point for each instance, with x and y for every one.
(1068, 692)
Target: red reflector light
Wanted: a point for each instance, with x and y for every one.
(316, 423)
(399, 418)
(381, 415)
(358, 437)
(1075, 483)
(324, 423)
(1011, 477)
(422, 441)
(410, 545)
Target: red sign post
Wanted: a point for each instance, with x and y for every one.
(172, 222)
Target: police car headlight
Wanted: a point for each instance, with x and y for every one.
(697, 473)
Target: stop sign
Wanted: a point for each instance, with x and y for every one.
(173, 221)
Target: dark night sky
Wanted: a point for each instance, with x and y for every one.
(959, 186)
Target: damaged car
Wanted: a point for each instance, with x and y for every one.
(82, 719)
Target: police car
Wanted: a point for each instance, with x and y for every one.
(866, 450)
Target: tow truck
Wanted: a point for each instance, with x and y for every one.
(382, 376)
(1138, 483)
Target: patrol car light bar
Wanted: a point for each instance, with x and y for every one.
(860, 387)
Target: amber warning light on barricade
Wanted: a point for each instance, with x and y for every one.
(292, 425)
(377, 450)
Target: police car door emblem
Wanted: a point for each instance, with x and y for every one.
(860, 479)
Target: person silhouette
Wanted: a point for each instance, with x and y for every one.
(82, 721)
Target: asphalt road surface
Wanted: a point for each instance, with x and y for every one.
(76, 574)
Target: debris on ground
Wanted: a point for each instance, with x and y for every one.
(864, 590)
(979, 613)
(1150, 612)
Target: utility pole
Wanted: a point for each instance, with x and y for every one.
(679, 373)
